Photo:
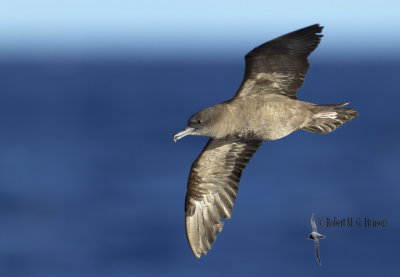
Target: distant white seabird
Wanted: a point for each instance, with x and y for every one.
(315, 236)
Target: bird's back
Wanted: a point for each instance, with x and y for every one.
(263, 117)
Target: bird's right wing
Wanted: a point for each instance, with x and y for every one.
(313, 225)
(316, 244)
(279, 66)
(212, 188)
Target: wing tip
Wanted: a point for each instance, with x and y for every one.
(310, 31)
(315, 28)
(197, 250)
(310, 36)
(197, 255)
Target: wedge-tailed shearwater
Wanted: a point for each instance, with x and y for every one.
(315, 236)
(265, 107)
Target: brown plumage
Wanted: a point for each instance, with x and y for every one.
(265, 107)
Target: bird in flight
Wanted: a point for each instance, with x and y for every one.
(315, 236)
(265, 107)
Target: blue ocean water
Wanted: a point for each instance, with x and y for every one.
(91, 183)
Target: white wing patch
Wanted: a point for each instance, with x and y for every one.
(331, 115)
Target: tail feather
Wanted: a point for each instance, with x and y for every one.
(335, 105)
(328, 118)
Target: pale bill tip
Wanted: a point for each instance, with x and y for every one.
(187, 131)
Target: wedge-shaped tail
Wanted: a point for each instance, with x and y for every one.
(328, 118)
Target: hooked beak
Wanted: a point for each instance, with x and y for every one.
(187, 131)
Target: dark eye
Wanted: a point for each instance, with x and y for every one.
(200, 121)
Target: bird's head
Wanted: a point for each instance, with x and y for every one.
(200, 124)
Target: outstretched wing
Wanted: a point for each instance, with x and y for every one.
(212, 188)
(313, 225)
(316, 245)
(280, 65)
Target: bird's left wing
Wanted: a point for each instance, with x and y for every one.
(212, 187)
(279, 66)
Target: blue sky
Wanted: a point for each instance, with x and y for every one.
(170, 28)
